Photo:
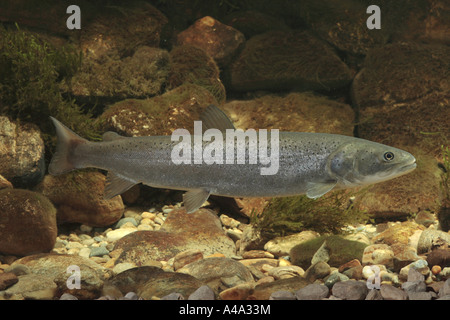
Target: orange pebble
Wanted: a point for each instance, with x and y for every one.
(436, 269)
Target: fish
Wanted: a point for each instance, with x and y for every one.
(306, 162)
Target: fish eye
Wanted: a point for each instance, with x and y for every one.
(388, 156)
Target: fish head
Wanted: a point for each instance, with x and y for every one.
(363, 162)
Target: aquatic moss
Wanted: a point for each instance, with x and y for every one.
(328, 214)
(189, 64)
(31, 71)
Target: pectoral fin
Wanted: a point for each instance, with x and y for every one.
(193, 199)
(116, 184)
(111, 136)
(318, 189)
(214, 118)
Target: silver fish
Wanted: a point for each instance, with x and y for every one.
(308, 163)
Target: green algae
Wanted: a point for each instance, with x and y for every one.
(31, 71)
(328, 214)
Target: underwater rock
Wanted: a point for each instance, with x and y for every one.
(150, 282)
(439, 257)
(395, 74)
(177, 108)
(140, 75)
(264, 291)
(180, 232)
(343, 24)
(55, 267)
(191, 64)
(119, 30)
(164, 283)
(378, 254)
(7, 279)
(218, 40)
(429, 238)
(5, 184)
(21, 153)
(339, 250)
(31, 287)
(27, 222)
(279, 60)
(398, 233)
(78, 197)
(350, 290)
(298, 112)
(281, 246)
(215, 272)
(251, 22)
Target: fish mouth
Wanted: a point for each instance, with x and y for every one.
(405, 168)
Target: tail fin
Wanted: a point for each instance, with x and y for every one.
(62, 160)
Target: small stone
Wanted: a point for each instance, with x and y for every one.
(121, 267)
(414, 286)
(286, 272)
(312, 292)
(202, 293)
(98, 251)
(374, 295)
(85, 228)
(389, 292)
(131, 296)
(173, 296)
(436, 270)
(7, 279)
(350, 290)
(67, 296)
(229, 222)
(420, 295)
(256, 254)
(333, 278)
(378, 254)
(414, 275)
(239, 292)
(117, 234)
(186, 257)
(282, 295)
(445, 290)
(85, 252)
(317, 271)
(148, 215)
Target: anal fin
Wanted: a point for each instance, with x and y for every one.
(317, 189)
(116, 184)
(193, 199)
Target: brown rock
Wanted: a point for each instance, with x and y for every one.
(239, 292)
(27, 222)
(21, 153)
(312, 65)
(200, 231)
(79, 197)
(186, 257)
(177, 108)
(7, 279)
(263, 291)
(439, 257)
(220, 41)
(399, 233)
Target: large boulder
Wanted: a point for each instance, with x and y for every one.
(27, 222)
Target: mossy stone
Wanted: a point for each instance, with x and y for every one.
(340, 251)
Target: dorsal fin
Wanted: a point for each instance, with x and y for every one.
(214, 118)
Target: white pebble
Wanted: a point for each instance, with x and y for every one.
(121, 267)
(84, 252)
(115, 235)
